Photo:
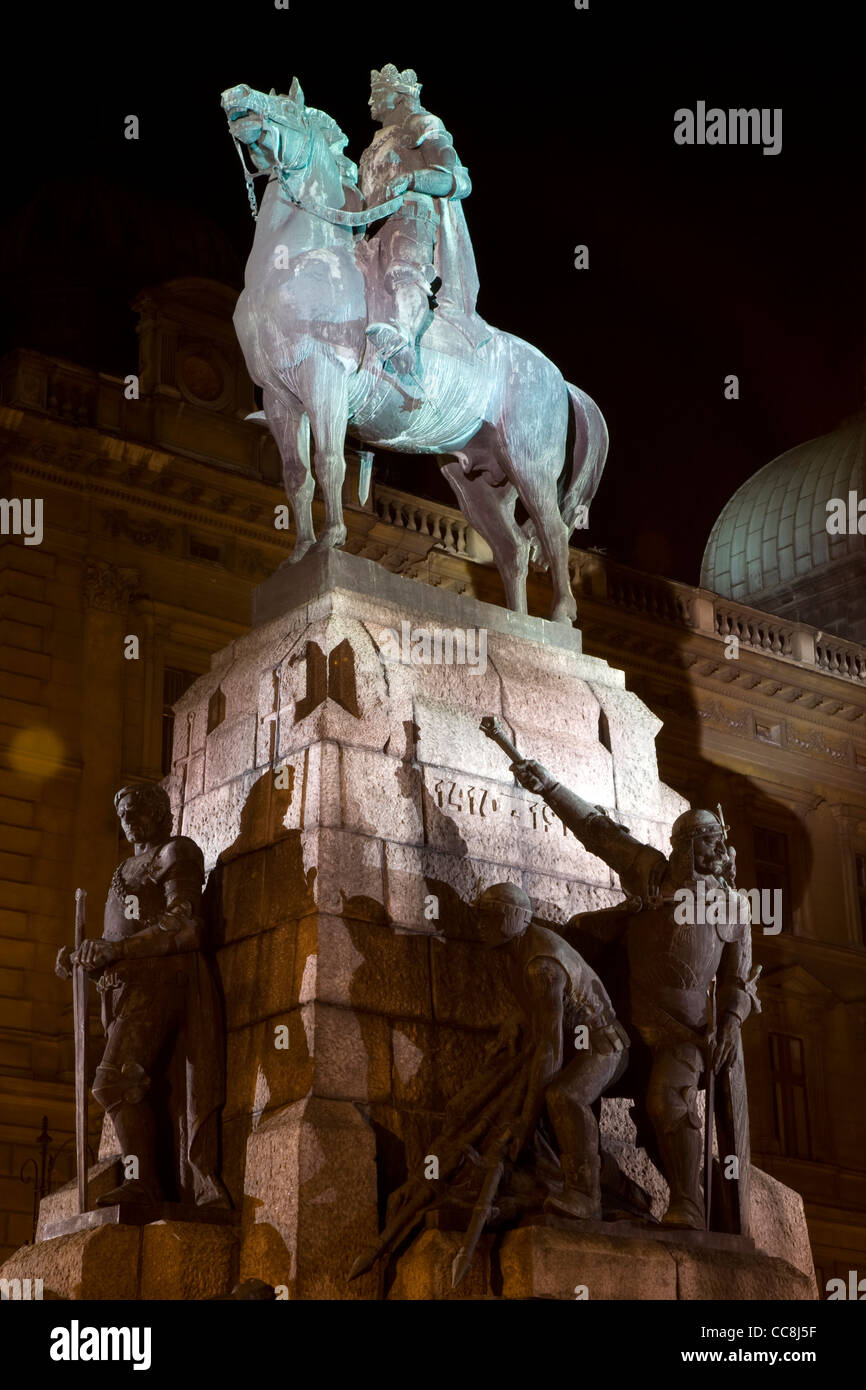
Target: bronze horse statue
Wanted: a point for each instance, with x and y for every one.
(492, 408)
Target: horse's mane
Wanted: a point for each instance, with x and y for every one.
(327, 125)
(335, 139)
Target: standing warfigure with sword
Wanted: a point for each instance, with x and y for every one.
(680, 973)
(162, 1015)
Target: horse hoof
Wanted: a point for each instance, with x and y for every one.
(297, 554)
(564, 613)
(330, 538)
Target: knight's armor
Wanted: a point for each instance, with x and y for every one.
(143, 877)
(671, 968)
(407, 238)
(153, 907)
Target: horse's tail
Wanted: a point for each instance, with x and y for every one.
(578, 484)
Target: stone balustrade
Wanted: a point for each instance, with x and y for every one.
(761, 631)
(840, 658)
(445, 527)
(663, 600)
(700, 610)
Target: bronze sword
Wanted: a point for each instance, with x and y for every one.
(79, 1014)
(710, 1089)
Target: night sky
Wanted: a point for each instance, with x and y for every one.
(703, 261)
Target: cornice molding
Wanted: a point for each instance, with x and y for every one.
(833, 738)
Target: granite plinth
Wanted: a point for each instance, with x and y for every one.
(166, 1259)
(545, 1262)
(331, 570)
(137, 1214)
(617, 1230)
(350, 811)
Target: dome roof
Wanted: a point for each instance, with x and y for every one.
(772, 536)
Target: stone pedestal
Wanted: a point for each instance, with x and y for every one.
(349, 808)
(127, 1252)
(611, 1264)
(134, 1214)
(174, 1260)
(332, 768)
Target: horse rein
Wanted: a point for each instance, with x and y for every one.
(281, 172)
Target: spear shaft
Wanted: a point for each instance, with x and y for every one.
(709, 1104)
(79, 1015)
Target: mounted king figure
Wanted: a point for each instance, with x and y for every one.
(424, 246)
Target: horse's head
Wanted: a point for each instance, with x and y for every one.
(275, 129)
(303, 145)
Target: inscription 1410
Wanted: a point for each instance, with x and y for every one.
(480, 801)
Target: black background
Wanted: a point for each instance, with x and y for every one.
(703, 261)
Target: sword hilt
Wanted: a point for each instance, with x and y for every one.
(80, 915)
(491, 726)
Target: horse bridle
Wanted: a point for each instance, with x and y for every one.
(281, 172)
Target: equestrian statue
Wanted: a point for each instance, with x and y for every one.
(358, 319)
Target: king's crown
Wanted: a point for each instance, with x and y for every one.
(392, 80)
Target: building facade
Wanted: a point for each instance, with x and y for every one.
(158, 519)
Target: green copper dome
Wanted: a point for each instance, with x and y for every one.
(771, 547)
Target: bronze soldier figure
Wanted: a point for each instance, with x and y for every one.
(574, 1047)
(161, 1007)
(672, 965)
(537, 1063)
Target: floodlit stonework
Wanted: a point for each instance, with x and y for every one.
(159, 523)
